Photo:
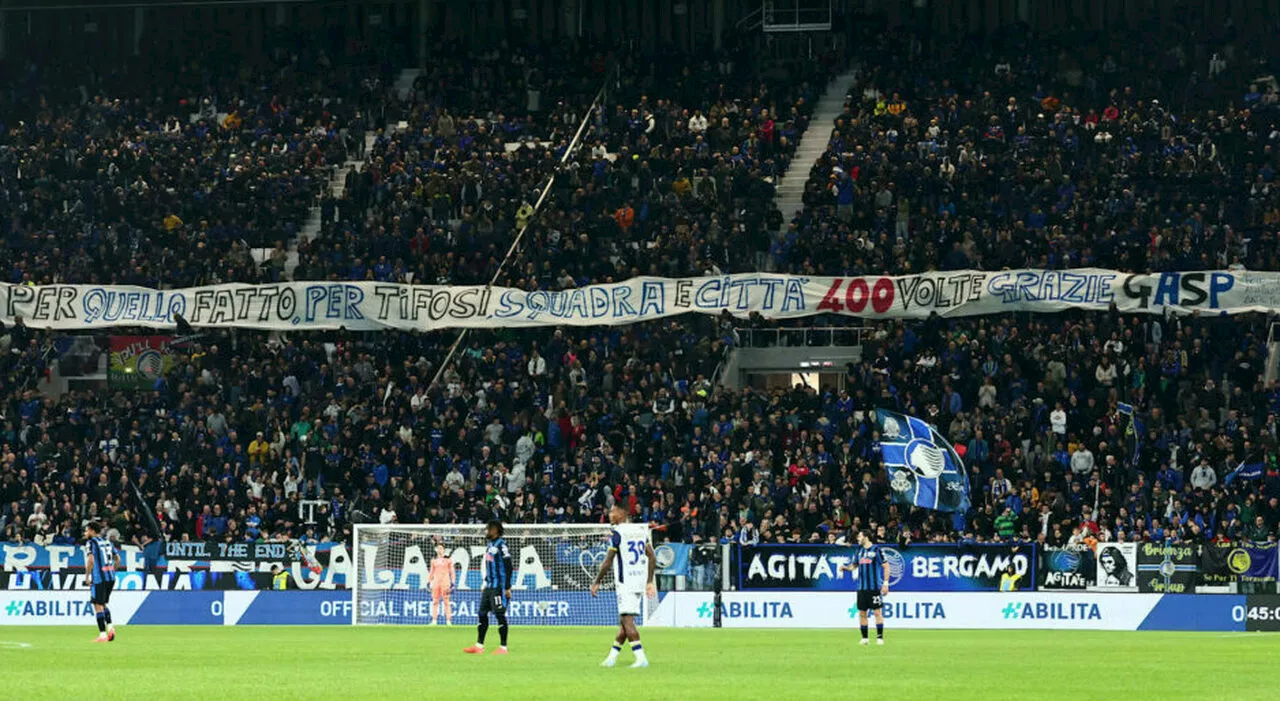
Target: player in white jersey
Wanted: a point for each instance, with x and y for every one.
(631, 558)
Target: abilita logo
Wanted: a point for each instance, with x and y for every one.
(748, 609)
(48, 608)
(1055, 611)
(903, 610)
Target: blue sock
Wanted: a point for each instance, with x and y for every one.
(106, 614)
(864, 631)
(102, 622)
(879, 630)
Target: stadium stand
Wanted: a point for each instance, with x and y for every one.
(676, 177)
(953, 158)
(1039, 164)
(173, 179)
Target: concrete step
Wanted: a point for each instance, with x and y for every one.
(790, 192)
(404, 82)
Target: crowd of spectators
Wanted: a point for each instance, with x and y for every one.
(170, 178)
(674, 174)
(299, 436)
(1023, 157)
(554, 425)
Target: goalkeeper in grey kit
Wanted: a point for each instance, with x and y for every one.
(496, 594)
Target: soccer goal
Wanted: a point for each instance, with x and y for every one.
(554, 567)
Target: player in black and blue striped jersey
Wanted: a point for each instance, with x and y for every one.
(100, 563)
(496, 592)
(873, 583)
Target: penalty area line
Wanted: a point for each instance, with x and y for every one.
(13, 645)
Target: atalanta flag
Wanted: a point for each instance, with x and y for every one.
(923, 469)
(1246, 470)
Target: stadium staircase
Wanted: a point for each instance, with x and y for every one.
(337, 183)
(404, 83)
(790, 195)
(311, 227)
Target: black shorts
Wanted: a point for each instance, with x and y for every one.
(868, 600)
(101, 593)
(492, 601)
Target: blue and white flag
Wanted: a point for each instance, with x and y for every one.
(1133, 432)
(672, 559)
(923, 469)
(1247, 470)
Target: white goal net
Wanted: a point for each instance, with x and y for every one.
(554, 567)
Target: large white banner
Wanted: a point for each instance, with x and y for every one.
(365, 306)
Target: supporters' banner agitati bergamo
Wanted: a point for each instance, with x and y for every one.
(369, 306)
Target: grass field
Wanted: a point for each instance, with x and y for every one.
(403, 664)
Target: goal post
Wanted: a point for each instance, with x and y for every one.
(554, 565)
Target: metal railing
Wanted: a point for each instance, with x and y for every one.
(796, 15)
(307, 509)
(802, 337)
(788, 16)
(751, 20)
(1272, 369)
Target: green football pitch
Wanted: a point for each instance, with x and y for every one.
(405, 664)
